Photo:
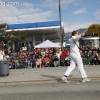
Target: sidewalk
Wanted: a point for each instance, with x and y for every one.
(47, 74)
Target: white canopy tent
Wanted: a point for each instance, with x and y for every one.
(47, 44)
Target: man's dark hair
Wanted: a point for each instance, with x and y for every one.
(74, 32)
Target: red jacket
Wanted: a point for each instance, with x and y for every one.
(64, 54)
(26, 57)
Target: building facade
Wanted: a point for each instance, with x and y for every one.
(38, 32)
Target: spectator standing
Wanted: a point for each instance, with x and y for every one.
(2, 54)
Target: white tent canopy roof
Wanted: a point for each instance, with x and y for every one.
(47, 44)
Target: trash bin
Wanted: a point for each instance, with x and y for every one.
(4, 68)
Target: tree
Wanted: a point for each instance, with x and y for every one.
(99, 30)
(12, 36)
(2, 31)
(15, 36)
(94, 29)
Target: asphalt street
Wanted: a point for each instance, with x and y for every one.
(51, 91)
(46, 84)
(48, 74)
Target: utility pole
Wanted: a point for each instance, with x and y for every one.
(61, 31)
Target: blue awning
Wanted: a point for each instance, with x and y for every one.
(67, 43)
(34, 25)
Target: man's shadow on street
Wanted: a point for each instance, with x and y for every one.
(58, 79)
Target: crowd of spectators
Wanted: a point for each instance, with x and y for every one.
(87, 52)
(50, 57)
(38, 58)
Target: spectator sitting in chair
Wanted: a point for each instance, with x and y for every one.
(38, 61)
(56, 61)
(46, 61)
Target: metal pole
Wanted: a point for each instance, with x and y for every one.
(61, 31)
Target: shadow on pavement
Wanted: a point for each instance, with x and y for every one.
(58, 79)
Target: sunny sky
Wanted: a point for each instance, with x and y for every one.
(76, 14)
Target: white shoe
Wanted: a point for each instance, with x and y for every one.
(85, 79)
(64, 79)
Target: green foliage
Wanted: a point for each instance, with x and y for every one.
(2, 32)
(94, 28)
(12, 36)
(3, 25)
(99, 30)
(16, 36)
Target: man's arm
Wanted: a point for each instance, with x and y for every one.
(77, 38)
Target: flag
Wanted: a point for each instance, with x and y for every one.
(88, 60)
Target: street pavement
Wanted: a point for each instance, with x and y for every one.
(45, 84)
(48, 74)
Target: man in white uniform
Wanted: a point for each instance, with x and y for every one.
(75, 58)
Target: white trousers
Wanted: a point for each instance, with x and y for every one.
(75, 59)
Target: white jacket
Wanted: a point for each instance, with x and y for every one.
(73, 47)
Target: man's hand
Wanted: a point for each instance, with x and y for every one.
(83, 34)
